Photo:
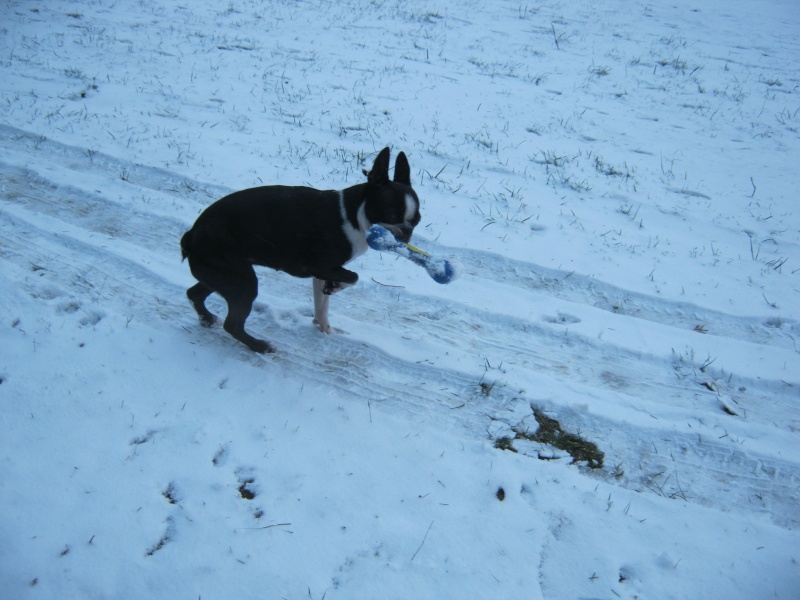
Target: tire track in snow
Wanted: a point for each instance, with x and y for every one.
(59, 227)
(109, 217)
(581, 289)
(675, 466)
(561, 285)
(72, 268)
(525, 343)
(84, 161)
(103, 216)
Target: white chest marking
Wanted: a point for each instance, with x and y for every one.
(356, 237)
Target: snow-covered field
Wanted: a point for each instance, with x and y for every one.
(620, 180)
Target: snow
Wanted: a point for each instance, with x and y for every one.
(619, 181)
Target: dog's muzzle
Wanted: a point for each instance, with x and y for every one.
(402, 231)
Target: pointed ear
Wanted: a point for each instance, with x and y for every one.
(402, 172)
(380, 169)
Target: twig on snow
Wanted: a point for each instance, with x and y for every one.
(266, 526)
(423, 541)
(555, 37)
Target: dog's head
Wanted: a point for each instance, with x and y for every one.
(392, 204)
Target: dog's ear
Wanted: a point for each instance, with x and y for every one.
(380, 169)
(402, 172)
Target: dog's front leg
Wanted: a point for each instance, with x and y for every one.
(326, 284)
(321, 301)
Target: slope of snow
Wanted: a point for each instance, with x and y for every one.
(619, 181)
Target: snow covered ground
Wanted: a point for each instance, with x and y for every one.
(618, 178)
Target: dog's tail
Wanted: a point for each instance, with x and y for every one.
(186, 244)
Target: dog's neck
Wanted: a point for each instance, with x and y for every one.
(352, 205)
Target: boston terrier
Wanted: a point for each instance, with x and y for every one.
(300, 230)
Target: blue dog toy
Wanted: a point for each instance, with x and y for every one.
(441, 270)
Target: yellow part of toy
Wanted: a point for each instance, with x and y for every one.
(417, 250)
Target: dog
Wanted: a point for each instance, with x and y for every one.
(302, 231)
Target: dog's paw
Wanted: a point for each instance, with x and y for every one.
(323, 325)
(331, 287)
(260, 346)
(209, 320)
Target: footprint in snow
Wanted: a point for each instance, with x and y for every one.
(561, 319)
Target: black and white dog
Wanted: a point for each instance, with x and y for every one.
(300, 230)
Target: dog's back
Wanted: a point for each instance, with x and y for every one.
(286, 228)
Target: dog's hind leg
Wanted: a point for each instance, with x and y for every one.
(240, 292)
(197, 295)
(238, 285)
